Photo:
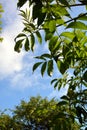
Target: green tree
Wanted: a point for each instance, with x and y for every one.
(41, 113)
(66, 36)
(38, 114)
(1, 10)
(7, 122)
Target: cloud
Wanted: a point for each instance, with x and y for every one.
(17, 67)
(10, 61)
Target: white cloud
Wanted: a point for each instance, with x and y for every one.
(10, 61)
(17, 67)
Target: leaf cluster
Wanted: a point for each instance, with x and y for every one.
(66, 37)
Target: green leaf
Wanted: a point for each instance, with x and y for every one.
(41, 18)
(20, 35)
(46, 55)
(40, 57)
(50, 67)
(27, 48)
(84, 18)
(36, 10)
(52, 42)
(64, 2)
(48, 34)
(52, 25)
(85, 76)
(18, 45)
(36, 65)
(53, 81)
(61, 103)
(61, 66)
(39, 36)
(77, 25)
(21, 3)
(69, 35)
(56, 84)
(43, 68)
(65, 97)
(32, 41)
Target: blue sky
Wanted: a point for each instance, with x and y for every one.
(17, 81)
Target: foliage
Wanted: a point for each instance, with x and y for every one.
(37, 114)
(67, 48)
(1, 10)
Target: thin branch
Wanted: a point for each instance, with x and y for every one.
(75, 18)
(73, 5)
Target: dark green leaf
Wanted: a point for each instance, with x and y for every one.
(46, 55)
(52, 42)
(41, 18)
(61, 103)
(36, 11)
(40, 57)
(55, 85)
(27, 48)
(32, 41)
(64, 2)
(18, 45)
(53, 81)
(43, 68)
(50, 67)
(36, 65)
(21, 3)
(84, 18)
(65, 97)
(85, 76)
(20, 35)
(61, 66)
(39, 36)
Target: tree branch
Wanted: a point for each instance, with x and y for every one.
(75, 18)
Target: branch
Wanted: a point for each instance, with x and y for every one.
(72, 19)
(75, 5)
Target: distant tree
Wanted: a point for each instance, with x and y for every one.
(55, 22)
(7, 122)
(43, 114)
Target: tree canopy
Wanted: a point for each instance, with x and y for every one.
(65, 32)
(38, 114)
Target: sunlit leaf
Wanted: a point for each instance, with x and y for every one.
(77, 25)
(52, 25)
(69, 35)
